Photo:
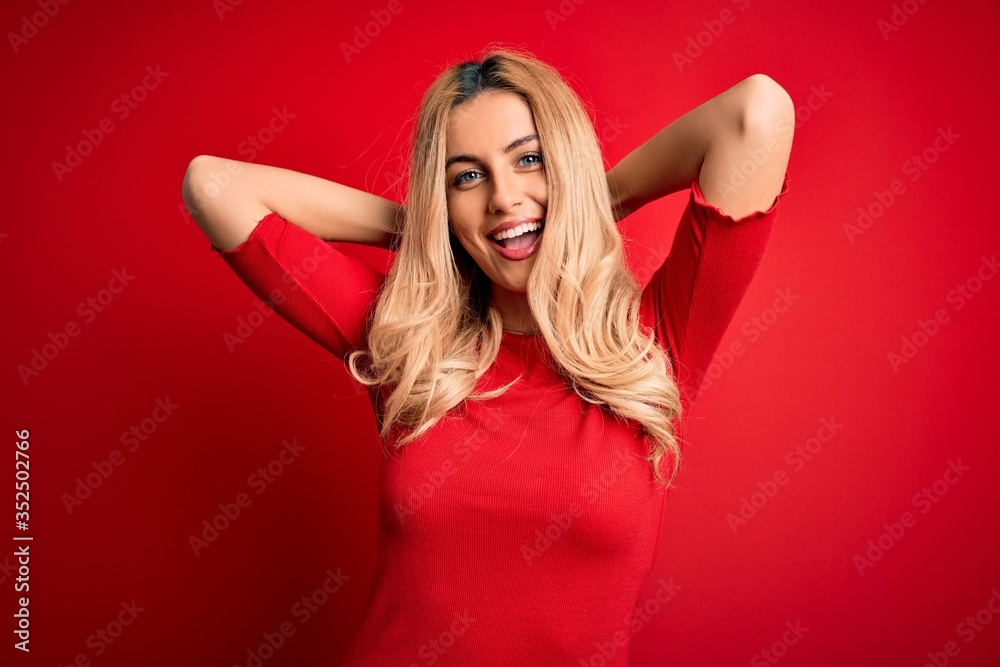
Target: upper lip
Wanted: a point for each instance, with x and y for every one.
(511, 224)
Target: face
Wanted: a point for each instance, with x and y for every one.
(495, 175)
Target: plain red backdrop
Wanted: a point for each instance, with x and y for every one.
(870, 99)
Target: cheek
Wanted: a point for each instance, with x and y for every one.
(462, 205)
(464, 225)
(465, 233)
(471, 243)
(543, 192)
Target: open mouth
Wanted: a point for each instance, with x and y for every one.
(520, 237)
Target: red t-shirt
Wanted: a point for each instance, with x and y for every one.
(520, 530)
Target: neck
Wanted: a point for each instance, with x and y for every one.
(514, 310)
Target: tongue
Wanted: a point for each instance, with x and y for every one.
(519, 242)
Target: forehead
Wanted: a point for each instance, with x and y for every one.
(488, 123)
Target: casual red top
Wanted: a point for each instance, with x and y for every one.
(520, 530)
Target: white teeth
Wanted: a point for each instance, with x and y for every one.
(523, 228)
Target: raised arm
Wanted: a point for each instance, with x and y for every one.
(736, 144)
(228, 197)
(732, 151)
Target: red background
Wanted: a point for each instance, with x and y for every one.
(824, 357)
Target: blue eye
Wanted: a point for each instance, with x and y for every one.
(459, 179)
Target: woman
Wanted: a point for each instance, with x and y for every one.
(528, 393)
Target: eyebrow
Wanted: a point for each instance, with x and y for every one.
(472, 158)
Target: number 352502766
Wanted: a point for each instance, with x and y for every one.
(22, 481)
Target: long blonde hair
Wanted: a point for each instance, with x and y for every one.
(433, 332)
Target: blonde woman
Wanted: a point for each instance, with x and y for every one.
(528, 393)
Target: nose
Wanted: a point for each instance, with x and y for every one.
(506, 192)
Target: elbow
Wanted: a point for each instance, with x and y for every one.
(192, 184)
(766, 108)
(198, 166)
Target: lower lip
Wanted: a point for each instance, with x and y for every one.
(521, 253)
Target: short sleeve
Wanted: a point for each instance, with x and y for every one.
(692, 297)
(321, 291)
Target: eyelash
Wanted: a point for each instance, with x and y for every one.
(458, 179)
